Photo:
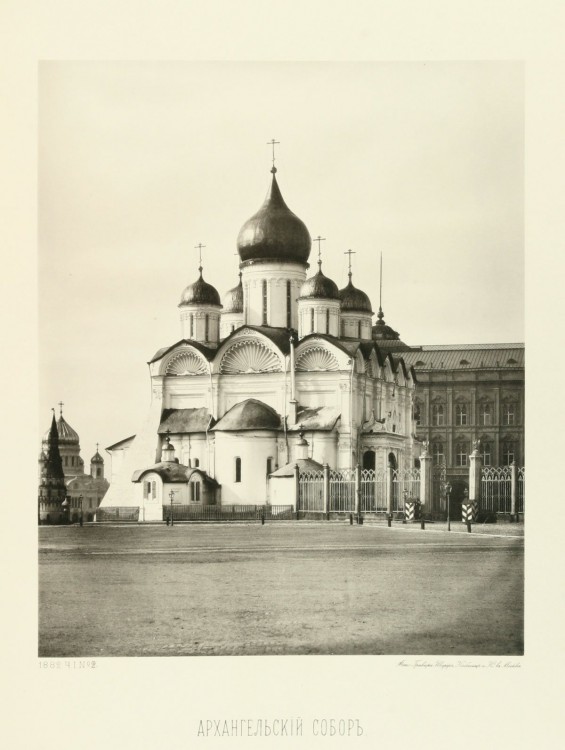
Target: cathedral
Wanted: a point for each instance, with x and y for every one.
(285, 367)
(66, 492)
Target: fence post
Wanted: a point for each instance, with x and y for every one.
(471, 508)
(426, 483)
(358, 492)
(389, 489)
(296, 489)
(513, 490)
(326, 495)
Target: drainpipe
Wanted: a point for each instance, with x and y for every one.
(293, 402)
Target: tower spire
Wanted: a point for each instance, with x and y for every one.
(61, 404)
(319, 240)
(380, 315)
(350, 253)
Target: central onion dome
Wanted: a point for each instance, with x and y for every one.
(354, 299)
(200, 293)
(233, 299)
(319, 287)
(274, 232)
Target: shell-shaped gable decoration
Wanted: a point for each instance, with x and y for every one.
(317, 359)
(249, 356)
(186, 363)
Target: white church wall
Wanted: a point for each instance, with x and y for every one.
(282, 491)
(253, 449)
(276, 275)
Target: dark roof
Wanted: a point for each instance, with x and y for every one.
(233, 299)
(184, 420)
(119, 443)
(249, 415)
(316, 418)
(354, 300)
(348, 347)
(461, 357)
(173, 473)
(206, 351)
(279, 336)
(274, 232)
(200, 293)
(304, 464)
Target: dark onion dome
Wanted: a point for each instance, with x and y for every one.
(200, 293)
(274, 232)
(233, 299)
(382, 331)
(354, 300)
(319, 287)
(97, 459)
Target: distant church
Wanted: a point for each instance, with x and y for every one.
(65, 491)
(282, 362)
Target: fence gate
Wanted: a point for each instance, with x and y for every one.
(404, 481)
(311, 491)
(496, 489)
(342, 491)
(373, 491)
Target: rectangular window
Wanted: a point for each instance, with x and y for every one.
(509, 414)
(461, 455)
(206, 327)
(461, 414)
(507, 454)
(327, 321)
(311, 320)
(486, 415)
(288, 306)
(437, 452)
(153, 490)
(359, 330)
(195, 492)
(264, 303)
(238, 469)
(486, 454)
(269, 466)
(191, 320)
(438, 415)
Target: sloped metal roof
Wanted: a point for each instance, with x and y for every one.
(316, 418)
(249, 415)
(304, 464)
(473, 357)
(185, 420)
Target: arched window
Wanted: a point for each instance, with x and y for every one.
(238, 469)
(437, 453)
(191, 325)
(486, 414)
(508, 453)
(461, 454)
(509, 414)
(359, 329)
(461, 415)
(343, 328)
(438, 415)
(196, 462)
(486, 453)
(98, 472)
(269, 466)
(288, 305)
(195, 492)
(206, 327)
(327, 321)
(264, 285)
(311, 320)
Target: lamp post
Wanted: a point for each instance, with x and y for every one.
(448, 494)
(171, 495)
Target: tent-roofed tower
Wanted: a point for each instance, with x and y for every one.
(274, 246)
(52, 488)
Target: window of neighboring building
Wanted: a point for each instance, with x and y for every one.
(486, 414)
(437, 453)
(327, 321)
(238, 469)
(509, 414)
(264, 302)
(438, 414)
(288, 305)
(461, 416)
(486, 454)
(508, 454)
(461, 454)
(418, 414)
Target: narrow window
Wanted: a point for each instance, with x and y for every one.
(196, 462)
(486, 414)
(359, 329)
(437, 452)
(507, 453)
(269, 466)
(327, 321)
(311, 320)
(238, 469)
(264, 303)
(153, 490)
(195, 492)
(461, 414)
(206, 327)
(461, 454)
(288, 305)
(191, 320)
(438, 415)
(343, 328)
(509, 414)
(486, 454)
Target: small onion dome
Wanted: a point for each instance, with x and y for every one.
(233, 299)
(42, 456)
(382, 331)
(319, 287)
(67, 436)
(274, 232)
(97, 459)
(354, 299)
(200, 293)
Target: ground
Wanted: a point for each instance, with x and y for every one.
(282, 588)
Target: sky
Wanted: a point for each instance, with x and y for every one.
(140, 162)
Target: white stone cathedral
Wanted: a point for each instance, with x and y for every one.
(281, 361)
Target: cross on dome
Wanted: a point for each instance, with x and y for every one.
(350, 253)
(199, 248)
(273, 143)
(61, 404)
(319, 240)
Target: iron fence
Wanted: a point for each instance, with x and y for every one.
(405, 483)
(496, 489)
(117, 514)
(342, 491)
(520, 490)
(373, 491)
(227, 512)
(311, 491)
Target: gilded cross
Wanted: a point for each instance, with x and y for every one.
(319, 240)
(199, 248)
(350, 253)
(273, 143)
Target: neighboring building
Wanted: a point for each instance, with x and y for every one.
(84, 492)
(467, 393)
(52, 490)
(282, 355)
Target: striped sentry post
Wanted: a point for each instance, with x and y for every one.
(469, 511)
